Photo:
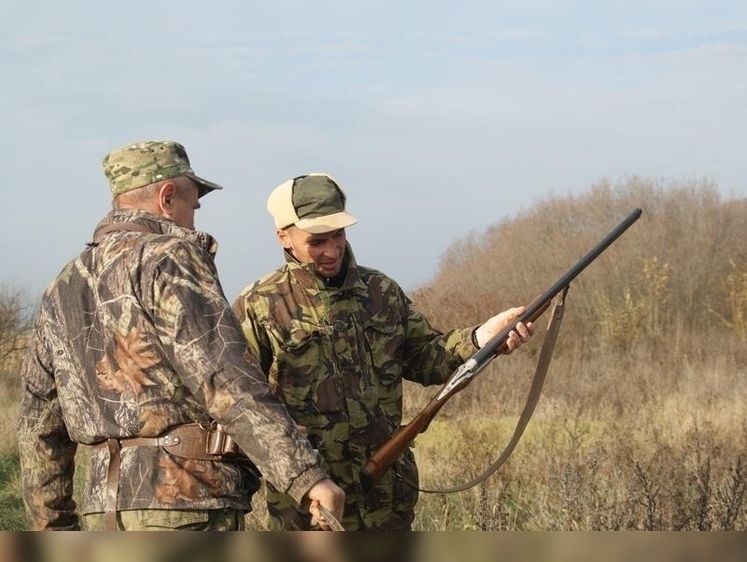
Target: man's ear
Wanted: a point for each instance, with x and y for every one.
(284, 238)
(166, 194)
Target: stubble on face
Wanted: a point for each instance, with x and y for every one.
(325, 251)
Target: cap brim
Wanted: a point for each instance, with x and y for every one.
(203, 186)
(321, 225)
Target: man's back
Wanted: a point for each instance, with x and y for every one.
(104, 329)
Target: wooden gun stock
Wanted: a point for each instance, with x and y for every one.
(384, 457)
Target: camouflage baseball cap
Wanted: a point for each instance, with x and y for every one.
(143, 163)
(315, 203)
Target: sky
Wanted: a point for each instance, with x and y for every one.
(439, 119)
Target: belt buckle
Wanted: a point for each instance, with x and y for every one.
(219, 442)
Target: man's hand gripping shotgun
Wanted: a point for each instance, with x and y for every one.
(390, 451)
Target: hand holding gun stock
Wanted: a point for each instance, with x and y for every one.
(390, 451)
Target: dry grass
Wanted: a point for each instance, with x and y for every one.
(8, 417)
(12, 517)
(649, 456)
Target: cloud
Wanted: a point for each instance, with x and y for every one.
(436, 129)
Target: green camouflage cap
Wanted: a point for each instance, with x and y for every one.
(315, 203)
(143, 163)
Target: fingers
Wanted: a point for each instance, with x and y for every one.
(326, 493)
(314, 511)
(324, 518)
(316, 516)
(520, 335)
(513, 342)
(512, 314)
(525, 331)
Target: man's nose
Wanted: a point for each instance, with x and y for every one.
(332, 249)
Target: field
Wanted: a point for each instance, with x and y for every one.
(662, 448)
(642, 424)
(639, 461)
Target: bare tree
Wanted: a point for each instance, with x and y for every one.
(680, 268)
(14, 321)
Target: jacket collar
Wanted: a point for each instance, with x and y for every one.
(137, 219)
(307, 277)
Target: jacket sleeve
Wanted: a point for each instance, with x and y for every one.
(256, 335)
(47, 454)
(210, 354)
(431, 355)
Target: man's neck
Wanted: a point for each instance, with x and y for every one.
(337, 280)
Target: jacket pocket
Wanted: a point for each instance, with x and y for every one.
(384, 336)
(304, 374)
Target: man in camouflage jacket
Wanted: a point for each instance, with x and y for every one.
(134, 339)
(336, 340)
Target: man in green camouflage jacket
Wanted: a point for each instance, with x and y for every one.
(335, 340)
(136, 352)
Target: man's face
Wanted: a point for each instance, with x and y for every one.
(185, 202)
(325, 251)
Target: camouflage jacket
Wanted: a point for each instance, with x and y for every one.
(337, 357)
(133, 337)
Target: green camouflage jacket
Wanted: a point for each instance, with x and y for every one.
(337, 357)
(133, 337)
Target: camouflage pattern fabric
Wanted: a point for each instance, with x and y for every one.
(337, 358)
(143, 163)
(133, 337)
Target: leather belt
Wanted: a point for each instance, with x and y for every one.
(192, 441)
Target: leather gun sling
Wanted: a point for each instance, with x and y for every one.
(540, 373)
(118, 226)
